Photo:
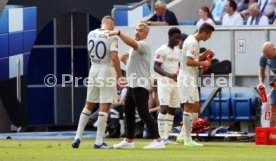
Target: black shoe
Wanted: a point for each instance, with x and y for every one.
(76, 143)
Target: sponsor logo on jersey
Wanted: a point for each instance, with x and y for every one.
(172, 59)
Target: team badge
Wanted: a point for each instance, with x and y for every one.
(157, 56)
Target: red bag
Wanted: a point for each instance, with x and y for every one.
(200, 125)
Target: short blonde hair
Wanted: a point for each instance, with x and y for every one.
(107, 19)
(255, 7)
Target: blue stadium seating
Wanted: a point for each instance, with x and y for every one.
(126, 17)
(236, 104)
(242, 103)
(204, 94)
(187, 22)
(226, 113)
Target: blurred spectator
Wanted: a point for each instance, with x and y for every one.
(162, 16)
(256, 17)
(205, 17)
(274, 23)
(217, 9)
(243, 7)
(267, 7)
(232, 17)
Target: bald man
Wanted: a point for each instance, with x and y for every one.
(269, 59)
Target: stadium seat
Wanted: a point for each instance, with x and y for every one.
(242, 103)
(186, 22)
(226, 113)
(204, 94)
(218, 22)
(130, 17)
(121, 16)
(244, 22)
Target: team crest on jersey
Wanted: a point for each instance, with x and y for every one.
(116, 45)
(193, 52)
(157, 56)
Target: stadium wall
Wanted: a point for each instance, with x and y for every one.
(240, 45)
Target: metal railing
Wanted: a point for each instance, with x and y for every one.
(209, 100)
(128, 8)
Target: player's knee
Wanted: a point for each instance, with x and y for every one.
(163, 109)
(89, 105)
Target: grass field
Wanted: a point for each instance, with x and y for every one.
(60, 150)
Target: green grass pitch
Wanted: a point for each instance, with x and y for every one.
(60, 150)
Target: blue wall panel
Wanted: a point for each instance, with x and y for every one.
(28, 40)
(15, 43)
(26, 57)
(4, 44)
(121, 16)
(4, 22)
(4, 69)
(29, 18)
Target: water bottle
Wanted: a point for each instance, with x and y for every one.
(209, 59)
(263, 94)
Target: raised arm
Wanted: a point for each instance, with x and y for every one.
(127, 40)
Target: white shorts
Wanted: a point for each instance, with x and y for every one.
(188, 91)
(102, 86)
(168, 95)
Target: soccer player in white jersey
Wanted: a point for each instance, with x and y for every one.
(101, 88)
(191, 59)
(166, 65)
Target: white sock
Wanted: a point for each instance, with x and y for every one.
(187, 122)
(194, 115)
(161, 121)
(182, 127)
(168, 125)
(122, 126)
(101, 127)
(182, 130)
(84, 117)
